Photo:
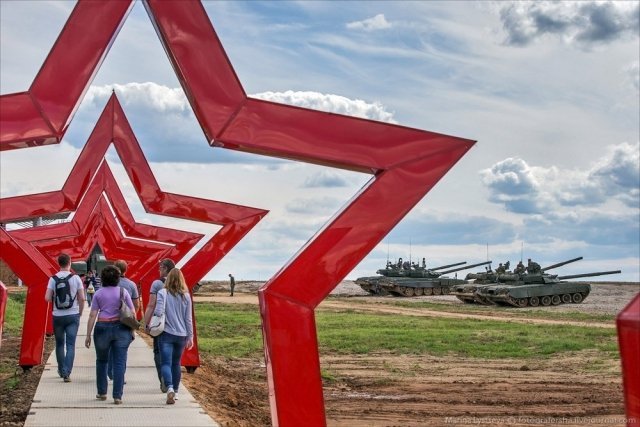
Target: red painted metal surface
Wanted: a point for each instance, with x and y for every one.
(41, 115)
(628, 323)
(3, 306)
(405, 162)
(95, 223)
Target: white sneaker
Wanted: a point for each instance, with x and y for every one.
(171, 396)
(175, 395)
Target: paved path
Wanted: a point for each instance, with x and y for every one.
(57, 403)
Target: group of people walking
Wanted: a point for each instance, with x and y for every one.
(111, 337)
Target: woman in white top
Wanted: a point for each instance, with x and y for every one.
(174, 300)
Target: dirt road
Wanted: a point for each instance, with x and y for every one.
(417, 390)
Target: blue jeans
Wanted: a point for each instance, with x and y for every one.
(157, 357)
(171, 348)
(111, 337)
(65, 329)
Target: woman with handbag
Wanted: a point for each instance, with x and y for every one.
(175, 305)
(111, 335)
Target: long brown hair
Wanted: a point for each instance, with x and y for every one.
(175, 283)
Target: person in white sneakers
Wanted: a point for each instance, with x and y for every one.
(178, 329)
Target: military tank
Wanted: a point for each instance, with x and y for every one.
(468, 292)
(540, 289)
(424, 281)
(371, 284)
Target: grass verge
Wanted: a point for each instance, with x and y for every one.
(233, 330)
(510, 311)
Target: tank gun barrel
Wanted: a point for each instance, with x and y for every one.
(560, 264)
(448, 266)
(466, 267)
(599, 273)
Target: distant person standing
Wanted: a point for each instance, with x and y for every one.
(166, 265)
(90, 282)
(66, 291)
(130, 287)
(90, 291)
(175, 303)
(232, 283)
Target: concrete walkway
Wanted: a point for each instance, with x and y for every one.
(57, 403)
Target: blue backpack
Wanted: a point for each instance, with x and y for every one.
(62, 292)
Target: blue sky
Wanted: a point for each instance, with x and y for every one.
(548, 89)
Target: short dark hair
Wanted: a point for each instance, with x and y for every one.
(64, 260)
(110, 275)
(122, 266)
(168, 264)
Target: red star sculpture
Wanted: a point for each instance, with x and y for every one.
(406, 163)
(113, 127)
(78, 240)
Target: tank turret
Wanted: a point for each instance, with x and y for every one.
(427, 282)
(540, 289)
(407, 279)
(468, 293)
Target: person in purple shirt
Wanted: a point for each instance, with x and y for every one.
(110, 335)
(135, 298)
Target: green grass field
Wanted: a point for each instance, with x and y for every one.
(510, 311)
(233, 330)
(14, 313)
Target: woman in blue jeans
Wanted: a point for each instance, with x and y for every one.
(110, 334)
(174, 300)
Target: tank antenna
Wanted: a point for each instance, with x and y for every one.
(409, 250)
(387, 252)
(521, 250)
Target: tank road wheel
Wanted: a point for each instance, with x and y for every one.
(407, 291)
(534, 301)
(577, 298)
(566, 299)
(522, 302)
(437, 291)
(428, 291)
(545, 300)
(555, 300)
(419, 292)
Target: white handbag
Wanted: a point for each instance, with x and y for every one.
(156, 325)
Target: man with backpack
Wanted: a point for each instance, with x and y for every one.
(66, 291)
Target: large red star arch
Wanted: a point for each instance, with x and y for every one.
(89, 177)
(406, 163)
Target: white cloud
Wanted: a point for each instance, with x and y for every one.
(581, 23)
(148, 95)
(325, 178)
(513, 183)
(313, 206)
(330, 103)
(633, 71)
(525, 189)
(378, 22)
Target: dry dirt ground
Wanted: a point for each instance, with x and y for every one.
(402, 390)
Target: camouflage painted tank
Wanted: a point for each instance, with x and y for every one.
(468, 292)
(540, 289)
(423, 281)
(371, 284)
